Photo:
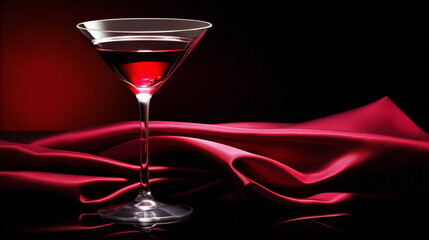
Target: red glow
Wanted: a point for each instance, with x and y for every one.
(50, 77)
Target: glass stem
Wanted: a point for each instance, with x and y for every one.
(144, 193)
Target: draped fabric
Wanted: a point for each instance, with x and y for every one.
(371, 151)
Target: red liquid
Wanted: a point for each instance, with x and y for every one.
(143, 62)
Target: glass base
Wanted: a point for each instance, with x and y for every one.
(145, 213)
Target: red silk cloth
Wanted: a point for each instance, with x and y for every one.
(371, 151)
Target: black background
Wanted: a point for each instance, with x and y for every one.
(296, 62)
(265, 61)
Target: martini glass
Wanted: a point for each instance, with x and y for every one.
(144, 52)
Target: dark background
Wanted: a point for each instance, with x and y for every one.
(268, 61)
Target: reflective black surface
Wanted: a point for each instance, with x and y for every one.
(247, 219)
(36, 215)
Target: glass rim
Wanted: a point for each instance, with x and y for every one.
(81, 25)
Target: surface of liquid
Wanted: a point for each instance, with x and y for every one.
(143, 62)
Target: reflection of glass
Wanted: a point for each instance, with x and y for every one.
(144, 52)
